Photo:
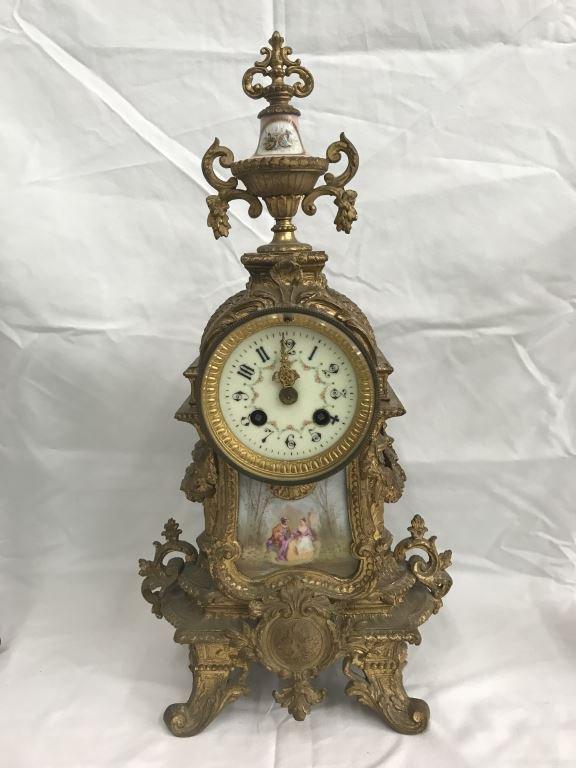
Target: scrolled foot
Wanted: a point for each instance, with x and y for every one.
(182, 720)
(214, 687)
(375, 679)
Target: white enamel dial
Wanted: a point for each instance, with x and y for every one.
(288, 396)
(326, 390)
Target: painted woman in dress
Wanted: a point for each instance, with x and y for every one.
(301, 545)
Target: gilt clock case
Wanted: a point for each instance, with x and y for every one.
(294, 568)
(296, 283)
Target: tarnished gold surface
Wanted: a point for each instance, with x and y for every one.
(374, 669)
(293, 622)
(277, 66)
(344, 199)
(158, 576)
(292, 492)
(282, 181)
(219, 679)
(218, 204)
(432, 572)
(294, 630)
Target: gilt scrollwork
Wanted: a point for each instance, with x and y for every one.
(292, 492)
(334, 155)
(294, 622)
(218, 152)
(383, 475)
(382, 467)
(219, 678)
(295, 636)
(227, 190)
(374, 670)
(277, 65)
(286, 283)
(394, 475)
(432, 572)
(291, 599)
(299, 696)
(344, 199)
(159, 576)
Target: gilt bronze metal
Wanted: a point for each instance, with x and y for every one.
(294, 621)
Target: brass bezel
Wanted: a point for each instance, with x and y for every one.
(287, 471)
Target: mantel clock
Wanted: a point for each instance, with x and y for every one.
(293, 465)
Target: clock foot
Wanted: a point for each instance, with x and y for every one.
(376, 680)
(217, 681)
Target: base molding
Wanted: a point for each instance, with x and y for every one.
(295, 630)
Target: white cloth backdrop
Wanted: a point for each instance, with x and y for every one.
(464, 114)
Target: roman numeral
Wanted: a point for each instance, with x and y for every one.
(311, 355)
(262, 354)
(246, 371)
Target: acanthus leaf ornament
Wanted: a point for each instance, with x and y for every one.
(298, 697)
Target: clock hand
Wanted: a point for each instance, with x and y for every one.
(286, 375)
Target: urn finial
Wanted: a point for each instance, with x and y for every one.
(280, 172)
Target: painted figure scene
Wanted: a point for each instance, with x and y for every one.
(279, 137)
(313, 530)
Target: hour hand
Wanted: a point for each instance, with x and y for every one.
(286, 376)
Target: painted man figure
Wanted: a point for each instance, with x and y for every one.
(280, 539)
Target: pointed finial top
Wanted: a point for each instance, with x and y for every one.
(277, 65)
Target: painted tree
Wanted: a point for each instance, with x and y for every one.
(258, 500)
(330, 498)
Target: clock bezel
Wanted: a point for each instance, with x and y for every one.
(286, 471)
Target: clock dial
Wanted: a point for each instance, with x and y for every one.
(301, 419)
(288, 396)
